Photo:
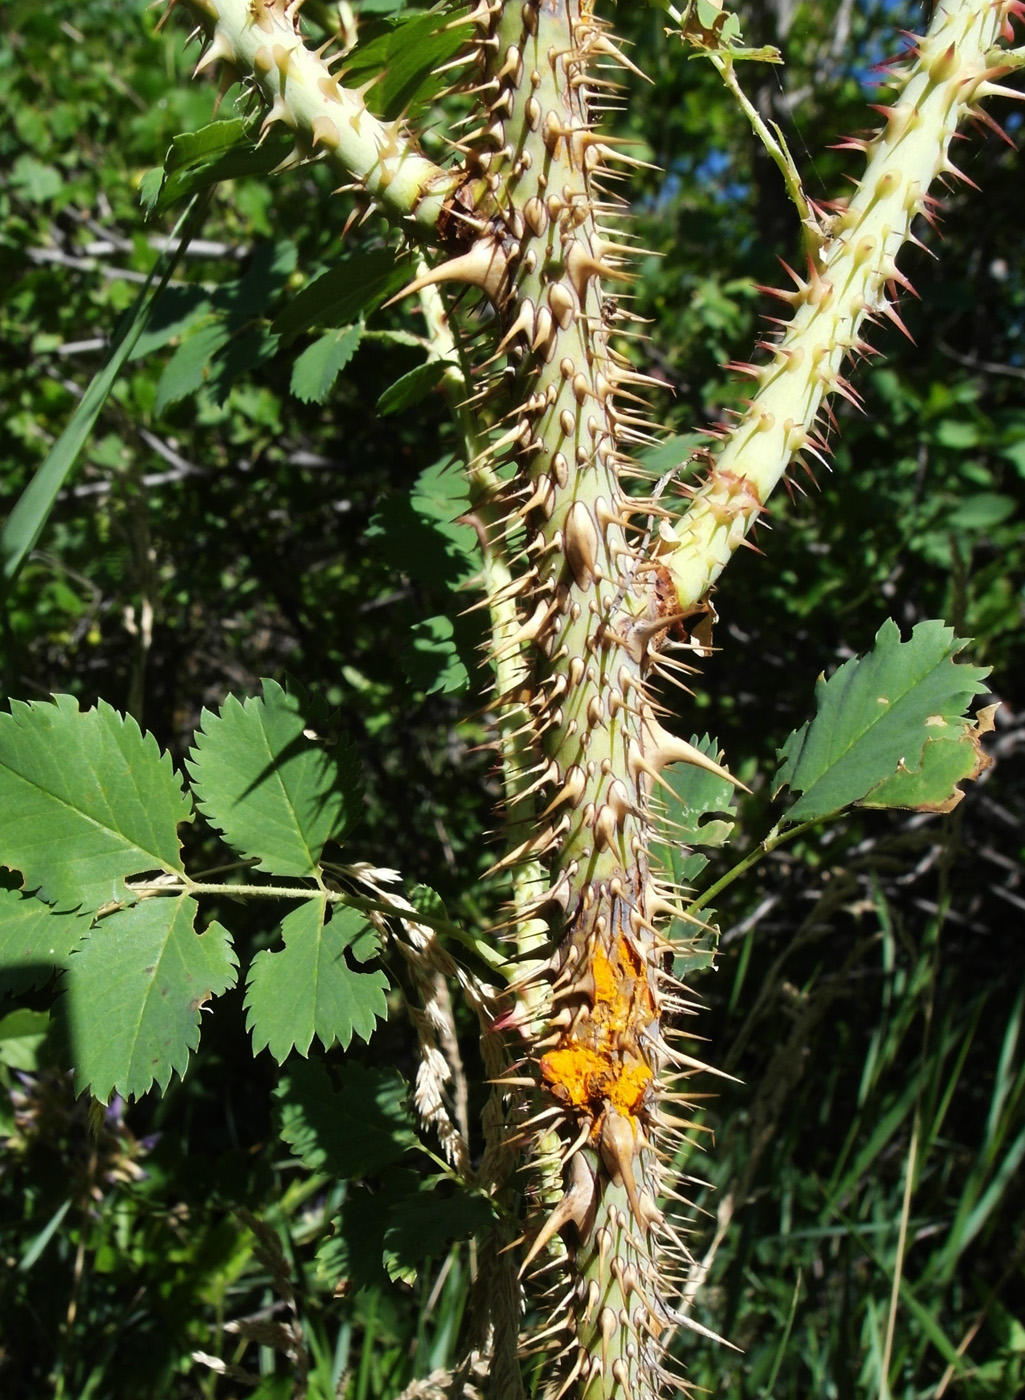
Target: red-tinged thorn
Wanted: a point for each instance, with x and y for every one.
(508, 1020)
(843, 387)
(897, 276)
(888, 310)
(958, 174)
(983, 118)
(808, 472)
(798, 280)
(789, 297)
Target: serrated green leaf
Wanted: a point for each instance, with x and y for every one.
(196, 160)
(354, 286)
(235, 338)
(694, 947)
(953, 756)
(352, 1258)
(35, 940)
(317, 368)
(189, 366)
(432, 660)
(388, 1232)
(308, 988)
(194, 147)
(420, 532)
(411, 388)
(429, 902)
(86, 800)
(425, 1224)
(405, 64)
(150, 186)
(133, 994)
(22, 1034)
(875, 717)
(353, 1131)
(275, 795)
(698, 811)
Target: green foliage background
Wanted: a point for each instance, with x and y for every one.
(869, 992)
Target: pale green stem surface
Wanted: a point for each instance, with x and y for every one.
(261, 41)
(508, 654)
(850, 280)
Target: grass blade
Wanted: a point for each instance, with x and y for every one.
(27, 520)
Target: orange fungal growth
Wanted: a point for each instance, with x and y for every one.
(599, 1066)
(590, 1080)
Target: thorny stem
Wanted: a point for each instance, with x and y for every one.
(260, 42)
(850, 280)
(509, 662)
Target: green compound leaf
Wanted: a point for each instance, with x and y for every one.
(86, 800)
(435, 661)
(133, 995)
(352, 1259)
(355, 1130)
(189, 366)
(317, 368)
(355, 285)
(275, 795)
(699, 811)
(411, 388)
(387, 1233)
(403, 63)
(35, 941)
(310, 987)
(233, 338)
(421, 533)
(423, 1226)
(224, 150)
(890, 729)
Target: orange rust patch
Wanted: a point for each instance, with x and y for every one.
(622, 998)
(591, 1080)
(599, 1065)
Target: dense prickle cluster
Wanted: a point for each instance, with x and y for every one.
(258, 41)
(852, 278)
(593, 616)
